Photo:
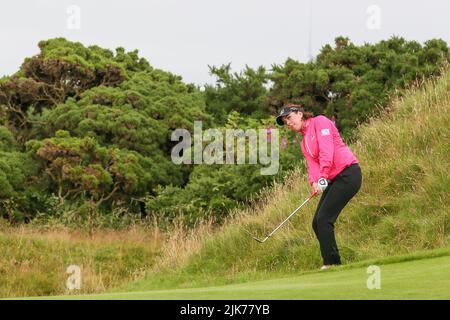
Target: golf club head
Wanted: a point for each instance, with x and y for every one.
(261, 241)
(255, 238)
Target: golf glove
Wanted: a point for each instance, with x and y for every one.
(322, 184)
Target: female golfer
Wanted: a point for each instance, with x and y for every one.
(333, 170)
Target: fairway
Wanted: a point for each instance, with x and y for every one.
(418, 279)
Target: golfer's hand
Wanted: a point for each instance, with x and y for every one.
(316, 188)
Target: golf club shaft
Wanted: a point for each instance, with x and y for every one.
(281, 224)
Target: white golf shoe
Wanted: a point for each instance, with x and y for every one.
(325, 267)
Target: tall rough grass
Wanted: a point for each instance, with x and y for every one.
(34, 262)
(402, 207)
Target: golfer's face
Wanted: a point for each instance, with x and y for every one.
(294, 121)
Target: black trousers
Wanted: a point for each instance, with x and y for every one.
(338, 193)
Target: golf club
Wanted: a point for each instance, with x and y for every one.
(270, 234)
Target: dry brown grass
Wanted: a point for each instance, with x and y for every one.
(34, 260)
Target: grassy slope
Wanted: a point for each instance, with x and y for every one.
(403, 205)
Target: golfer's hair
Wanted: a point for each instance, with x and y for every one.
(306, 114)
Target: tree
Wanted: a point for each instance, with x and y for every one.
(244, 92)
(95, 124)
(350, 82)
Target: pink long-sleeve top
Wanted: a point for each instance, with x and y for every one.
(325, 152)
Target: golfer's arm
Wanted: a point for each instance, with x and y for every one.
(313, 169)
(326, 147)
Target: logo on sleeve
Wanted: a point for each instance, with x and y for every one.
(325, 132)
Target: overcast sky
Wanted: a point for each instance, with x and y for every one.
(185, 36)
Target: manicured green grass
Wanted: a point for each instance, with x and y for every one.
(425, 278)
